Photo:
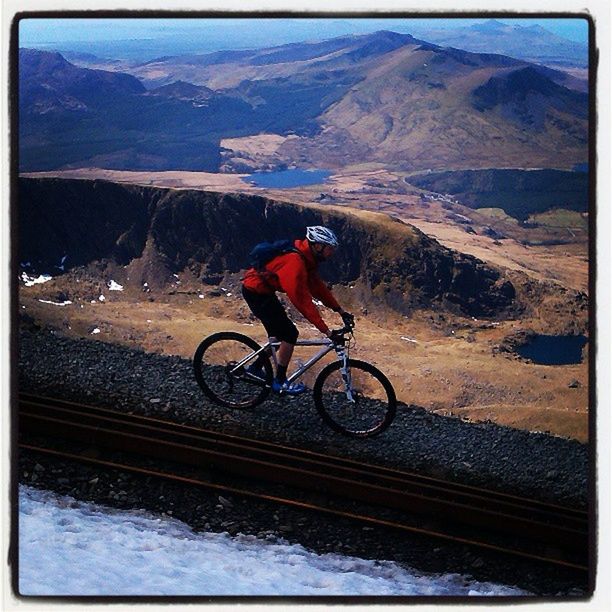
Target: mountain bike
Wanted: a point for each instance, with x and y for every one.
(352, 396)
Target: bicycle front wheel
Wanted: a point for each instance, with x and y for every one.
(359, 402)
(220, 366)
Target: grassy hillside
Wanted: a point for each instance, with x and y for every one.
(520, 193)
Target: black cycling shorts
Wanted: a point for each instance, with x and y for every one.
(272, 314)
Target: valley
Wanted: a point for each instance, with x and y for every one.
(376, 189)
(384, 97)
(452, 183)
(444, 360)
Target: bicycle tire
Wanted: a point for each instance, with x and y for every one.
(207, 371)
(387, 406)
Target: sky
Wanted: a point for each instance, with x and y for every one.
(38, 31)
(67, 547)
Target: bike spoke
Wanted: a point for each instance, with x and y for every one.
(367, 410)
(220, 364)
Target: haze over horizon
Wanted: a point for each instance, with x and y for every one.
(153, 36)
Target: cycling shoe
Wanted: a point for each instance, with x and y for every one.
(288, 388)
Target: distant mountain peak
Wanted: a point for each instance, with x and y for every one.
(50, 83)
(537, 29)
(491, 25)
(392, 35)
(523, 40)
(523, 92)
(42, 59)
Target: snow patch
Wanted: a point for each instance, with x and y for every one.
(113, 286)
(69, 547)
(95, 330)
(29, 281)
(65, 303)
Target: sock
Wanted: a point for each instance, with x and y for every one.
(281, 373)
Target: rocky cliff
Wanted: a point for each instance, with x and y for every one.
(155, 233)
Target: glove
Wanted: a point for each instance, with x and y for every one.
(336, 337)
(348, 319)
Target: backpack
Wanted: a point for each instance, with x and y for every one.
(265, 252)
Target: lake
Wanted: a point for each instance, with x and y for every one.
(553, 350)
(288, 178)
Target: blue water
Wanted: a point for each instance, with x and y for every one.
(553, 350)
(289, 178)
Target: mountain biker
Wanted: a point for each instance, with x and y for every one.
(293, 273)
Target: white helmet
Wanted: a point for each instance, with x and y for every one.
(321, 235)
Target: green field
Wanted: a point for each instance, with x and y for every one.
(561, 217)
(498, 214)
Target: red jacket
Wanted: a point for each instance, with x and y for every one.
(297, 276)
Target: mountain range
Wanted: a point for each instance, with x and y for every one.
(532, 43)
(383, 97)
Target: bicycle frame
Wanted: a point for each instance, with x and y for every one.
(328, 345)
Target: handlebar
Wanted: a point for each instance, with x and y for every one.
(347, 329)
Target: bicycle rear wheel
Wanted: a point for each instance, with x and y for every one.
(372, 406)
(215, 368)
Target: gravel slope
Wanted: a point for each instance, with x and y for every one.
(514, 461)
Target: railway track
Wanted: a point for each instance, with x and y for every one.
(391, 498)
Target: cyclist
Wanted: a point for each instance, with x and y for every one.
(294, 273)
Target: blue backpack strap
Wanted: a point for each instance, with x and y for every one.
(264, 252)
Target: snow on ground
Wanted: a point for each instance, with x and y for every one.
(64, 303)
(114, 286)
(29, 281)
(67, 547)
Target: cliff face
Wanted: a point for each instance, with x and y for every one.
(156, 233)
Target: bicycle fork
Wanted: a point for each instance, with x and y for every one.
(346, 374)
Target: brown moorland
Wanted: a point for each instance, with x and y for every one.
(444, 362)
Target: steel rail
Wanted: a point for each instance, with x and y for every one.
(300, 505)
(554, 526)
